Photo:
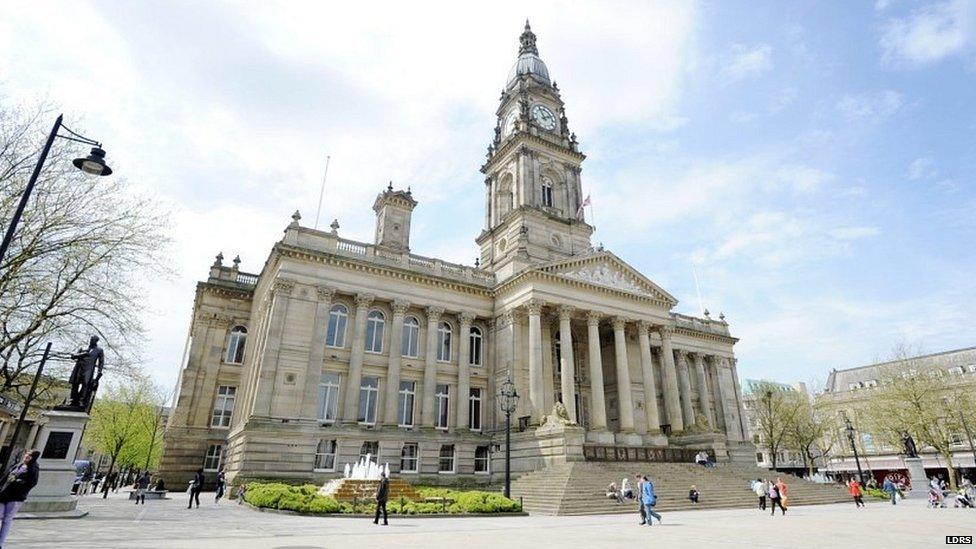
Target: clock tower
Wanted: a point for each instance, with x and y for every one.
(532, 174)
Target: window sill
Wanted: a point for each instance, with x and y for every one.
(446, 472)
(409, 472)
(409, 427)
(482, 472)
(323, 470)
(221, 427)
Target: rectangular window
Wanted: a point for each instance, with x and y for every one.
(409, 461)
(325, 454)
(474, 409)
(368, 393)
(443, 406)
(956, 370)
(223, 406)
(328, 405)
(409, 343)
(405, 404)
(370, 451)
(481, 459)
(446, 461)
(211, 462)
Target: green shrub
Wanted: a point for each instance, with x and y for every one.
(322, 504)
(877, 493)
(483, 502)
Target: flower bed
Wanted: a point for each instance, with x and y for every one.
(306, 499)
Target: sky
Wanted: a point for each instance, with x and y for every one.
(811, 162)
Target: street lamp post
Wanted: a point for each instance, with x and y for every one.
(8, 451)
(508, 400)
(850, 436)
(93, 164)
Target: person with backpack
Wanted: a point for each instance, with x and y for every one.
(649, 499)
(21, 481)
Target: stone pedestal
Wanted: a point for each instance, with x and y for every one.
(600, 437)
(916, 475)
(58, 440)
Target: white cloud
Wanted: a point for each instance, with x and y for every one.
(881, 5)
(930, 34)
(870, 106)
(802, 178)
(745, 62)
(921, 168)
(854, 233)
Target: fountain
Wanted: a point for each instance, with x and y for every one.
(359, 482)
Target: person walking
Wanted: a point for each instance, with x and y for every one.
(142, 484)
(241, 492)
(759, 487)
(783, 494)
(382, 494)
(774, 499)
(650, 500)
(890, 488)
(854, 487)
(221, 485)
(196, 486)
(22, 479)
(640, 499)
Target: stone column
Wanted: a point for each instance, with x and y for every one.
(714, 367)
(536, 381)
(464, 369)
(351, 407)
(430, 366)
(647, 373)
(598, 412)
(738, 400)
(567, 366)
(393, 371)
(684, 383)
(672, 404)
(704, 398)
(316, 351)
(624, 397)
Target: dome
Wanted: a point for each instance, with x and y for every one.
(529, 63)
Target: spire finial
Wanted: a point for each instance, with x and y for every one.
(527, 41)
(390, 186)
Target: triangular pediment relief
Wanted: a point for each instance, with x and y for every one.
(607, 270)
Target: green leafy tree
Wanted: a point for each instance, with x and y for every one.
(776, 409)
(808, 432)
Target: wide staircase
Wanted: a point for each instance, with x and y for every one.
(579, 488)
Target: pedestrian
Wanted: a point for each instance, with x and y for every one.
(640, 499)
(650, 500)
(625, 488)
(693, 494)
(382, 494)
(95, 481)
(854, 487)
(196, 486)
(613, 493)
(221, 484)
(241, 492)
(142, 484)
(759, 487)
(889, 487)
(783, 494)
(20, 482)
(774, 499)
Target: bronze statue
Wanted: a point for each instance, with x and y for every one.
(910, 449)
(85, 375)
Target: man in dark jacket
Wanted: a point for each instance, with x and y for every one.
(196, 486)
(382, 494)
(142, 484)
(22, 479)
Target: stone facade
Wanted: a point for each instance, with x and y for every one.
(339, 348)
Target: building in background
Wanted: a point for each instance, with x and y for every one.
(341, 349)
(788, 461)
(846, 394)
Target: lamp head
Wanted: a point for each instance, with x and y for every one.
(94, 163)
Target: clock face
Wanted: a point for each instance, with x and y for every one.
(509, 126)
(544, 117)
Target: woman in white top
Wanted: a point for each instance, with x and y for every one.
(625, 489)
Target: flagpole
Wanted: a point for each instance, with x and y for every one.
(322, 192)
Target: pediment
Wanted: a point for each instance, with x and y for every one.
(609, 271)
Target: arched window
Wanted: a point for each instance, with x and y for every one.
(235, 345)
(411, 337)
(474, 347)
(375, 321)
(547, 200)
(336, 334)
(444, 342)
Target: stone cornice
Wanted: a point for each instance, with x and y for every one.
(706, 335)
(226, 291)
(523, 138)
(513, 282)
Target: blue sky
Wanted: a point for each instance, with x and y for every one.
(813, 162)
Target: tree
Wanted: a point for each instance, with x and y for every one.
(925, 402)
(776, 409)
(76, 262)
(124, 424)
(808, 433)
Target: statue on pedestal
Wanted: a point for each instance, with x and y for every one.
(558, 416)
(910, 449)
(89, 364)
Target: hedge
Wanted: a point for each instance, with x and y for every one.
(306, 499)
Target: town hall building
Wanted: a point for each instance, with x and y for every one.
(339, 348)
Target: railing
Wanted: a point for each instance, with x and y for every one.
(430, 265)
(247, 278)
(352, 247)
(629, 453)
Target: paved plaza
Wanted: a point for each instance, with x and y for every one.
(117, 522)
